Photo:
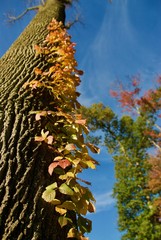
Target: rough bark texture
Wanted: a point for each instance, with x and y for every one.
(23, 163)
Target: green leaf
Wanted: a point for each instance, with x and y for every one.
(65, 189)
(52, 186)
(63, 221)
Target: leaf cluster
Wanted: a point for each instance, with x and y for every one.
(63, 131)
(127, 139)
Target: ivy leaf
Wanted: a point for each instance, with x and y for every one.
(84, 224)
(39, 139)
(44, 134)
(91, 207)
(93, 148)
(82, 206)
(52, 186)
(79, 72)
(81, 121)
(65, 189)
(63, 221)
(52, 166)
(73, 233)
(85, 129)
(58, 158)
(70, 147)
(49, 195)
(64, 163)
(74, 137)
(68, 205)
(38, 71)
(60, 210)
(56, 202)
(90, 164)
(50, 139)
(67, 175)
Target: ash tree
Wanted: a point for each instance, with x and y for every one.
(42, 145)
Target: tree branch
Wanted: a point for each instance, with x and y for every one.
(15, 18)
(68, 25)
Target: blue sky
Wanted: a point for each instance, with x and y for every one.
(115, 41)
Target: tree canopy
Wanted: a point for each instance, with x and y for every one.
(133, 139)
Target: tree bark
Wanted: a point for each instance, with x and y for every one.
(23, 163)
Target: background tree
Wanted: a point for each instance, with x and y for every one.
(42, 143)
(129, 139)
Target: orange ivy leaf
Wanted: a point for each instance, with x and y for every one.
(38, 71)
(64, 163)
(81, 121)
(70, 147)
(42, 114)
(52, 166)
(91, 207)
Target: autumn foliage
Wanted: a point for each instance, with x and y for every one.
(133, 138)
(62, 131)
(147, 106)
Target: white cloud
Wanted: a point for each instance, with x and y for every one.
(118, 50)
(104, 201)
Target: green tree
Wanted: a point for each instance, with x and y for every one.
(126, 140)
(42, 143)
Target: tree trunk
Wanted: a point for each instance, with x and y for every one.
(23, 164)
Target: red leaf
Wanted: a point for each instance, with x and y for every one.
(80, 72)
(64, 163)
(114, 93)
(50, 140)
(52, 166)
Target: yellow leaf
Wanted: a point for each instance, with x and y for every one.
(56, 202)
(49, 195)
(44, 134)
(62, 211)
(72, 233)
(68, 205)
(91, 164)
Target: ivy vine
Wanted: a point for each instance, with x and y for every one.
(63, 131)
